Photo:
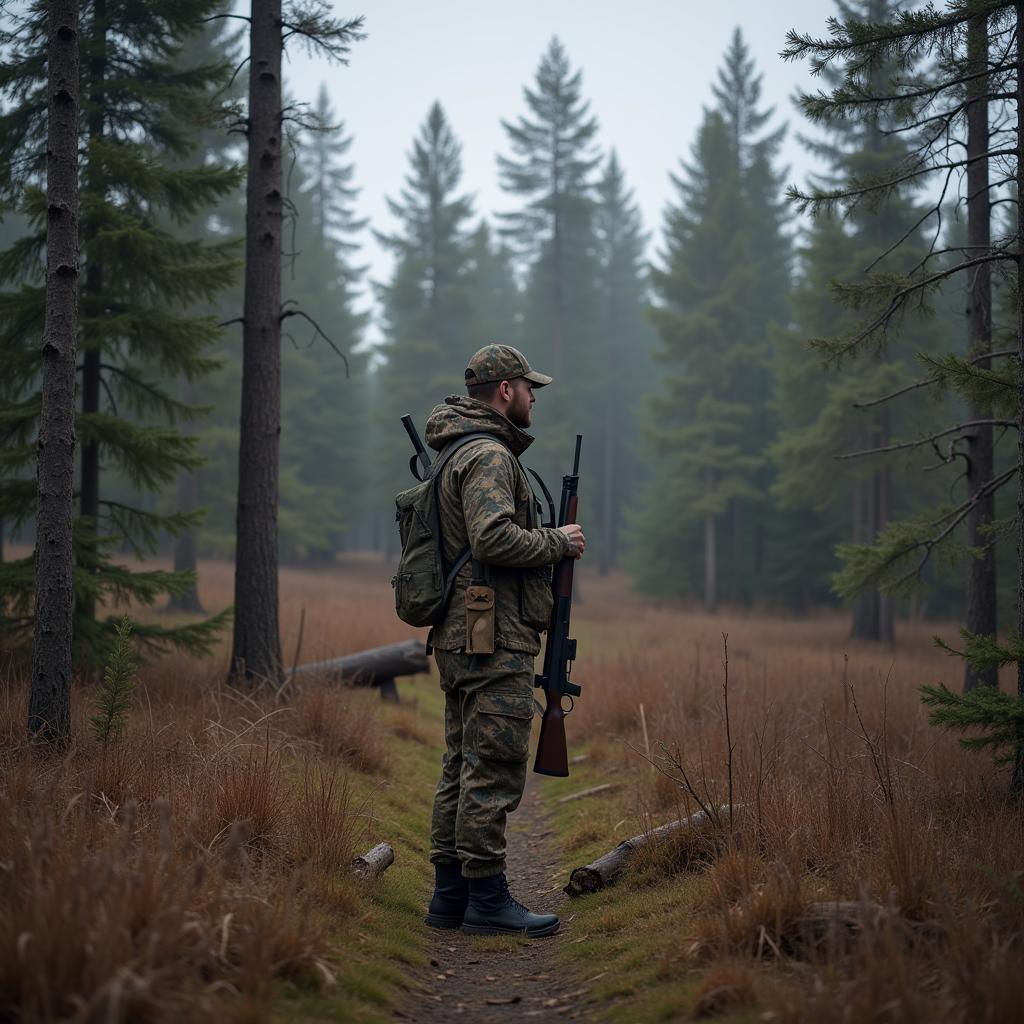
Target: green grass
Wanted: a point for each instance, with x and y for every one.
(384, 941)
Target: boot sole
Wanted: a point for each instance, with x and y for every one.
(440, 921)
(486, 929)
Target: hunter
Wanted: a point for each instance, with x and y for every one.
(486, 504)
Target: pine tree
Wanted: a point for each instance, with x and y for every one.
(427, 305)
(698, 417)
(496, 300)
(626, 341)
(552, 169)
(49, 716)
(215, 40)
(936, 109)
(430, 323)
(256, 644)
(819, 417)
(139, 109)
(322, 402)
(721, 283)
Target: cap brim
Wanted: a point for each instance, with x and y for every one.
(538, 380)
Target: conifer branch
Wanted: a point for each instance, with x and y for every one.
(925, 381)
(865, 565)
(896, 302)
(921, 441)
(317, 330)
(218, 17)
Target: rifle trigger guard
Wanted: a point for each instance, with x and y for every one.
(414, 466)
(572, 703)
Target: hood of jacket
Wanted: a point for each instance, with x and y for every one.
(460, 415)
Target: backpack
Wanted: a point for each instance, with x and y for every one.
(423, 583)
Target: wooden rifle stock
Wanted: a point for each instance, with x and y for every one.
(552, 753)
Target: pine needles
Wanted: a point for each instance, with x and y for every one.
(114, 697)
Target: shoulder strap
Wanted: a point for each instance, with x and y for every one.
(460, 442)
(446, 453)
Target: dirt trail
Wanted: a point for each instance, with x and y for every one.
(494, 981)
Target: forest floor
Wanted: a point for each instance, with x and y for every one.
(843, 791)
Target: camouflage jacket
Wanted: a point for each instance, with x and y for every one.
(486, 504)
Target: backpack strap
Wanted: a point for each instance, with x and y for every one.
(447, 452)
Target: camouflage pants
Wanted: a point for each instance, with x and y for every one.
(488, 709)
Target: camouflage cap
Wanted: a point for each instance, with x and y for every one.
(502, 362)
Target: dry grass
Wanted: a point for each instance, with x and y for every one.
(177, 874)
(846, 793)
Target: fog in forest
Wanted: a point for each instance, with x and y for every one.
(648, 258)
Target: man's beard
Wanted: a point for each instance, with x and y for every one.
(519, 414)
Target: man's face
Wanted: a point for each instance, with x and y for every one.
(520, 411)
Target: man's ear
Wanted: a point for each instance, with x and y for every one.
(505, 390)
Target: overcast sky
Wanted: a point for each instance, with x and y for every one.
(647, 68)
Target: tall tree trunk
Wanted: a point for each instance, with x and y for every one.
(49, 708)
(1017, 781)
(883, 512)
(981, 572)
(606, 555)
(256, 652)
(710, 558)
(863, 613)
(93, 355)
(736, 519)
(557, 287)
(185, 544)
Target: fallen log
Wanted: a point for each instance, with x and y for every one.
(374, 862)
(378, 666)
(605, 871)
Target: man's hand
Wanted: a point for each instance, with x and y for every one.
(575, 534)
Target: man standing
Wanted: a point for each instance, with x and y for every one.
(487, 506)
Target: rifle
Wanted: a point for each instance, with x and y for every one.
(419, 463)
(559, 651)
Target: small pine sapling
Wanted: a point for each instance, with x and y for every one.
(114, 699)
(998, 717)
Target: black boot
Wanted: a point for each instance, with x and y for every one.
(493, 911)
(451, 895)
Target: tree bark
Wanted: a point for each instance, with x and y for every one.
(606, 554)
(374, 862)
(883, 512)
(186, 557)
(1017, 780)
(981, 571)
(49, 712)
(710, 565)
(89, 501)
(256, 652)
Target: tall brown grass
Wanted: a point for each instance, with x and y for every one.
(846, 793)
(207, 852)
